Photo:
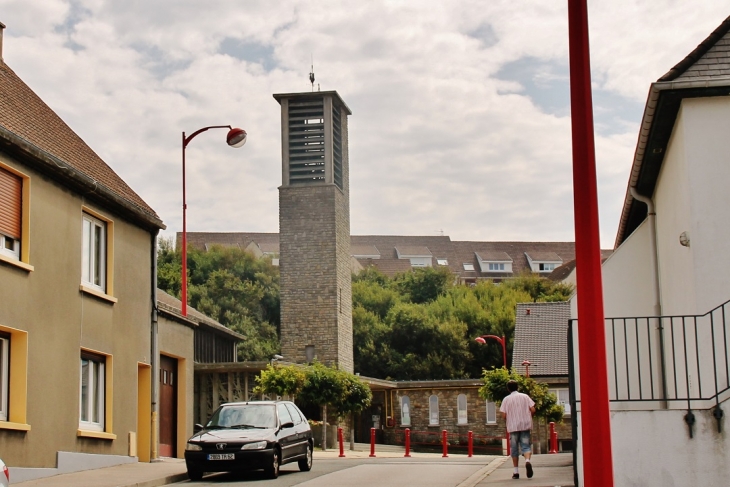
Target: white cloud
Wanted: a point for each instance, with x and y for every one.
(436, 140)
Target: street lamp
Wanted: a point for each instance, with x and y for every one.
(236, 138)
(526, 364)
(275, 358)
(501, 340)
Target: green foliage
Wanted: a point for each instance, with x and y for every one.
(424, 284)
(357, 396)
(322, 386)
(280, 380)
(231, 286)
(495, 389)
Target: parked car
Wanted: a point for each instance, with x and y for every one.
(5, 475)
(249, 436)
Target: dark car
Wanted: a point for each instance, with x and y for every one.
(249, 436)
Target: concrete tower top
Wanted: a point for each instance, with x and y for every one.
(312, 94)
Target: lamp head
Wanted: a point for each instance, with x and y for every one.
(277, 357)
(480, 340)
(236, 137)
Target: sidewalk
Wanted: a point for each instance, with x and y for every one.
(550, 471)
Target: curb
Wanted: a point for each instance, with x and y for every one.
(483, 472)
(170, 479)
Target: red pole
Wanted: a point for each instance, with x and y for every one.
(553, 439)
(372, 442)
(184, 277)
(595, 424)
(504, 351)
(470, 449)
(408, 443)
(339, 438)
(444, 440)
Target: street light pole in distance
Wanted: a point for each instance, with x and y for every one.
(236, 138)
(501, 340)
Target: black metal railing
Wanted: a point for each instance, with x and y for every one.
(678, 361)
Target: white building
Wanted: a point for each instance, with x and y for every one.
(668, 376)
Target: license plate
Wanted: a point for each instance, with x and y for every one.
(221, 456)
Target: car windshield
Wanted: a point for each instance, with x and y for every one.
(244, 416)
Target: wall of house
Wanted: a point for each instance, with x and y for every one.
(653, 449)
(59, 320)
(176, 341)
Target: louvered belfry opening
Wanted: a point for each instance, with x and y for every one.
(337, 145)
(306, 141)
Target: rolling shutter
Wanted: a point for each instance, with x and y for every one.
(10, 204)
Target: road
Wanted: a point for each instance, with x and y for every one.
(365, 472)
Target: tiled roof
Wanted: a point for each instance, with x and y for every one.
(456, 253)
(173, 306)
(539, 256)
(541, 336)
(268, 246)
(493, 256)
(709, 60)
(25, 115)
(412, 251)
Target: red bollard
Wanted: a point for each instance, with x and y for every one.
(470, 449)
(339, 438)
(444, 434)
(553, 439)
(408, 443)
(372, 442)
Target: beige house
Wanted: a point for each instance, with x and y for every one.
(77, 267)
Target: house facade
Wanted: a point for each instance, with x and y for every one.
(667, 283)
(77, 254)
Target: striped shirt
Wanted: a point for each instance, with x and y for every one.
(517, 408)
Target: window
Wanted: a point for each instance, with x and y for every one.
(93, 259)
(491, 412)
(494, 266)
(91, 409)
(563, 397)
(468, 267)
(405, 411)
(4, 385)
(545, 267)
(442, 261)
(461, 407)
(295, 416)
(433, 410)
(11, 217)
(284, 415)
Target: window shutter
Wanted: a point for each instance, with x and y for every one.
(10, 202)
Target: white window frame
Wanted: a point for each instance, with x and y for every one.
(495, 266)
(14, 251)
(491, 412)
(547, 266)
(4, 377)
(405, 419)
(91, 419)
(461, 407)
(565, 401)
(93, 254)
(433, 410)
(468, 267)
(442, 261)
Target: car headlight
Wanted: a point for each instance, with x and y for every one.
(193, 447)
(259, 445)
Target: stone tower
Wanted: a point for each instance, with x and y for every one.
(314, 230)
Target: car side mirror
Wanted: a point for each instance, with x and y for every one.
(197, 428)
(287, 425)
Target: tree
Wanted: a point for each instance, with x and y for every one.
(323, 386)
(495, 389)
(424, 284)
(357, 397)
(280, 380)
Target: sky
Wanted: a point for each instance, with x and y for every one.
(460, 118)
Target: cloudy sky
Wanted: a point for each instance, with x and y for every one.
(461, 117)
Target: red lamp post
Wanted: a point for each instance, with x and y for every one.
(526, 364)
(501, 340)
(236, 138)
(595, 424)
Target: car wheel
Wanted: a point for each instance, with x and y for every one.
(195, 475)
(306, 464)
(273, 469)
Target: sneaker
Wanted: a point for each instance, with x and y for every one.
(528, 467)
(515, 476)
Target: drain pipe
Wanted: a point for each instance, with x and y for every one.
(651, 216)
(155, 354)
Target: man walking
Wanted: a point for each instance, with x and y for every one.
(518, 409)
